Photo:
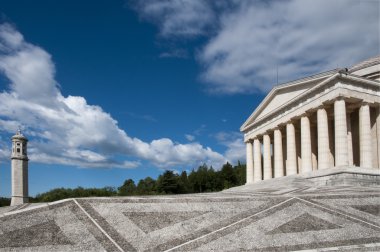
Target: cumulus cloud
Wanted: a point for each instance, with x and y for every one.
(251, 39)
(234, 143)
(67, 130)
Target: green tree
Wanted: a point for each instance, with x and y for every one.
(203, 179)
(214, 182)
(5, 201)
(65, 193)
(183, 183)
(168, 182)
(128, 188)
(240, 173)
(228, 176)
(146, 186)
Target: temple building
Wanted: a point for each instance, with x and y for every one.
(325, 121)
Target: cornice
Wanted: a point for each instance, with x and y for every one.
(280, 87)
(331, 80)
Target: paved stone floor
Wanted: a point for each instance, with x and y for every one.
(288, 214)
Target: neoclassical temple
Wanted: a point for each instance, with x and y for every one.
(325, 121)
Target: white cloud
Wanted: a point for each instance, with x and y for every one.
(190, 137)
(5, 153)
(300, 36)
(185, 18)
(249, 39)
(234, 143)
(67, 130)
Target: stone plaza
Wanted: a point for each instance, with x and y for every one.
(291, 213)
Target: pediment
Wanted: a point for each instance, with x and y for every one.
(283, 94)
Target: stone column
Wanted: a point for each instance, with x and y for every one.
(291, 155)
(340, 121)
(314, 146)
(278, 157)
(365, 136)
(349, 141)
(257, 174)
(249, 165)
(331, 142)
(307, 165)
(267, 158)
(323, 140)
(378, 134)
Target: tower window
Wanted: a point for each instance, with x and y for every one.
(18, 144)
(18, 150)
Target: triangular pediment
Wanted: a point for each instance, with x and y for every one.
(282, 94)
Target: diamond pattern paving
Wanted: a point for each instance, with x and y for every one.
(151, 221)
(278, 215)
(303, 223)
(47, 233)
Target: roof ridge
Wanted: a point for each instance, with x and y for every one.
(310, 77)
(365, 63)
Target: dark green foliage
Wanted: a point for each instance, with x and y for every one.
(183, 183)
(64, 193)
(241, 173)
(146, 186)
(128, 188)
(5, 201)
(168, 183)
(203, 179)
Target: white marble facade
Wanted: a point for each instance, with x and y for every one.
(319, 122)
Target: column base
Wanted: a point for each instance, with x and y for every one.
(19, 200)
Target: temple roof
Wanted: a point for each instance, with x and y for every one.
(365, 63)
(282, 94)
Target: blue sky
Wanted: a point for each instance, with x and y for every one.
(110, 90)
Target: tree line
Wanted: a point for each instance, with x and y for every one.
(203, 179)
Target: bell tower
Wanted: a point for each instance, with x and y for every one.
(19, 169)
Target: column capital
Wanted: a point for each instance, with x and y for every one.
(291, 121)
(282, 124)
(305, 114)
(340, 98)
(258, 137)
(322, 106)
(327, 104)
(268, 132)
(367, 103)
(276, 128)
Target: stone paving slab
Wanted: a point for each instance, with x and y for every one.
(290, 214)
